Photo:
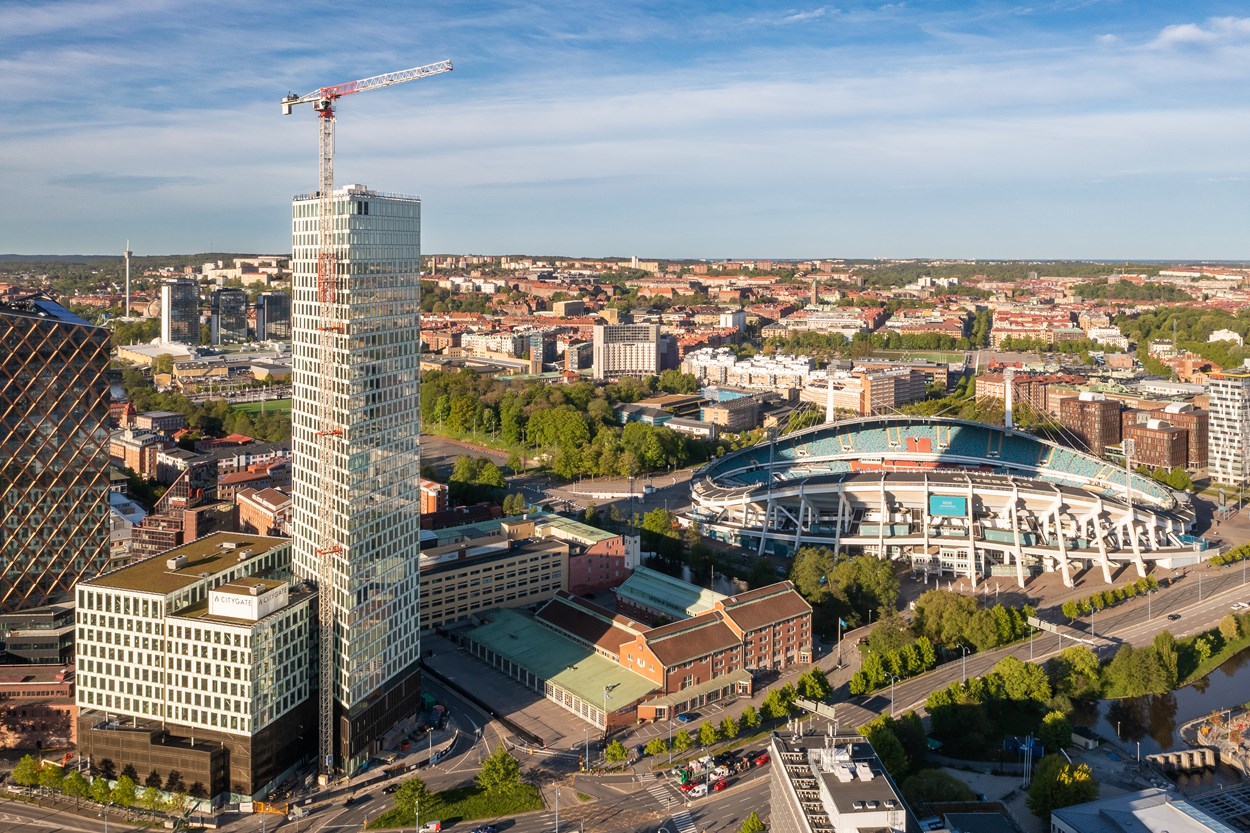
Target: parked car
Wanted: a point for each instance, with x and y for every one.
(720, 785)
(687, 786)
(699, 791)
(762, 759)
(688, 717)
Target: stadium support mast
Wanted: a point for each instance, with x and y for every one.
(332, 320)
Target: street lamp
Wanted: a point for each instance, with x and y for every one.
(964, 662)
(893, 679)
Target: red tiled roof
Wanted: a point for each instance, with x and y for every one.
(765, 606)
(587, 622)
(690, 639)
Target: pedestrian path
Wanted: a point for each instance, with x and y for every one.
(683, 822)
(658, 789)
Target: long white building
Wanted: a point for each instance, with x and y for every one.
(370, 491)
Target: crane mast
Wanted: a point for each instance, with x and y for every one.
(333, 328)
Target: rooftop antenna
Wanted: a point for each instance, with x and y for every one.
(128, 254)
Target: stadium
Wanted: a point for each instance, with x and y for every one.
(952, 497)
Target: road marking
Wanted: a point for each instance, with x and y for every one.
(659, 790)
(683, 822)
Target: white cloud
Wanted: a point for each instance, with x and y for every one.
(804, 17)
(1216, 31)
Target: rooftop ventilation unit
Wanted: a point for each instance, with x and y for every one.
(176, 563)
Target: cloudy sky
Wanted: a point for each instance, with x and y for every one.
(1060, 129)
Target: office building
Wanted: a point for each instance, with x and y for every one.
(1197, 423)
(1157, 444)
(197, 661)
(229, 317)
(369, 495)
(1093, 419)
(273, 317)
(825, 782)
(1150, 809)
(1228, 401)
(55, 450)
(180, 312)
(626, 350)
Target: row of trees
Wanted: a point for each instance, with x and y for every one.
(1176, 477)
(123, 792)
(838, 586)
(1234, 555)
(1075, 608)
(969, 717)
(878, 667)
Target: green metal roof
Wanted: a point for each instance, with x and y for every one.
(678, 599)
(559, 660)
(578, 531)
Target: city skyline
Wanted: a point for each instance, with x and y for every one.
(978, 130)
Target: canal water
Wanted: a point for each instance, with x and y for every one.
(1155, 721)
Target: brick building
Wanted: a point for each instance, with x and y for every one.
(264, 511)
(1093, 419)
(1157, 444)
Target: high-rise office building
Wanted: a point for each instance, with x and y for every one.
(54, 441)
(626, 350)
(370, 494)
(1228, 402)
(229, 319)
(273, 317)
(180, 312)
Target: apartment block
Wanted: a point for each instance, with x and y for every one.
(1228, 398)
(1093, 419)
(626, 350)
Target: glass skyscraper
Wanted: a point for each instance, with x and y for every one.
(180, 312)
(54, 504)
(374, 507)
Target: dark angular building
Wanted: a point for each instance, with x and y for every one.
(54, 409)
(273, 317)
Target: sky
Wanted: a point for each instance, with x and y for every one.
(1056, 129)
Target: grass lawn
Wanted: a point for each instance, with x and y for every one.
(467, 803)
(1231, 648)
(272, 406)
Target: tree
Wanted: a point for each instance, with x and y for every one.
(708, 734)
(1057, 783)
(74, 785)
(414, 795)
(615, 752)
(500, 772)
(1076, 672)
(750, 718)
(656, 746)
(1230, 627)
(123, 793)
(99, 790)
(174, 782)
(50, 777)
(1023, 681)
(729, 728)
(810, 573)
(1169, 658)
(150, 798)
(129, 771)
(682, 741)
(753, 824)
(26, 773)
(197, 790)
(153, 780)
(814, 685)
(1055, 733)
(880, 733)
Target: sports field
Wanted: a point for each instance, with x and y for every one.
(272, 406)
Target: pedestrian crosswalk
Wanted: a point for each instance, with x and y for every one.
(683, 822)
(658, 789)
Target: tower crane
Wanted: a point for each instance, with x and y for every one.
(333, 327)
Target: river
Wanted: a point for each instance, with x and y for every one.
(1155, 721)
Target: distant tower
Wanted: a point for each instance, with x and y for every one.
(1009, 384)
(815, 299)
(128, 254)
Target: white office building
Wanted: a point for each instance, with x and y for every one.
(1228, 395)
(369, 493)
(197, 661)
(626, 350)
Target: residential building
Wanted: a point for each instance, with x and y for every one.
(197, 661)
(564, 309)
(626, 350)
(1196, 423)
(433, 497)
(1157, 444)
(137, 450)
(273, 316)
(362, 509)
(264, 512)
(164, 422)
(37, 708)
(1093, 419)
(732, 415)
(1228, 399)
(228, 324)
(823, 782)
(55, 449)
(180, 312)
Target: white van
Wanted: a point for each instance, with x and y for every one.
(432, 827)
(699, 791)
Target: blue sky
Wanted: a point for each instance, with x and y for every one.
(1061, 129)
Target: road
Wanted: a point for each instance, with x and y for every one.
(19, 817)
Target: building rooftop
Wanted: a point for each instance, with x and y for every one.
(587, 622)
(676, 598)
(569, 529)
(41, 306)
(199, 610)
(207, 555)
(549, 656)
(1146, 811)
(758, 608)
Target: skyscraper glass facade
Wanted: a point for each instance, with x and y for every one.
(180, 312)
(375, 507)
(229, 323)
(54, 505)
